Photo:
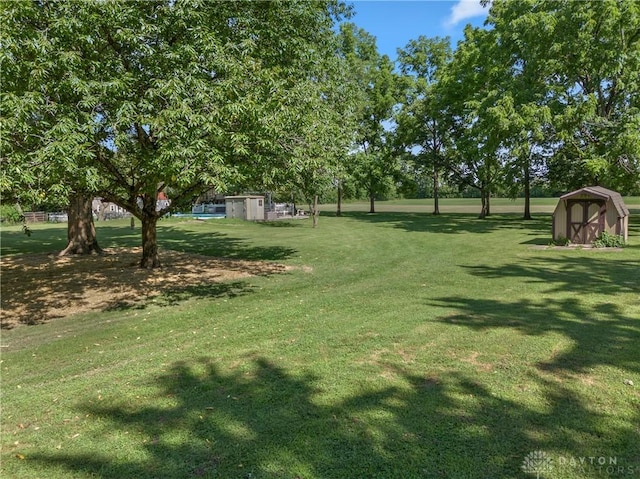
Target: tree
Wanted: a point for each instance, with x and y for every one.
(588, 55)
(470, 92)
(169, 94)
(525, 123)
(520, 116)
(319, 136)
(40, 107)
(372, 162)
(421, 128)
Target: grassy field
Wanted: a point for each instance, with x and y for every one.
(397, 345)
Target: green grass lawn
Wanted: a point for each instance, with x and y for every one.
(400, 345)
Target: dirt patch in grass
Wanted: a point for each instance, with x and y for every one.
(39, 287)
(481, 366)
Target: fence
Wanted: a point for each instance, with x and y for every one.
(35, 216)
(41, 217)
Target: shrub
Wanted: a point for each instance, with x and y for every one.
(607, 240)
(10, 214)
(560, 241)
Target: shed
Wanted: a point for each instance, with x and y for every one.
(250, 208)
(584, 214)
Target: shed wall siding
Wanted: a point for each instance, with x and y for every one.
(249, 208)
(612, 219)
(560, 221)
(235, 208)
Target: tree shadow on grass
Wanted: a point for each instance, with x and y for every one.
(583, 298)
(634, 230)
(170, 236)
(601, 334)
(265, 422)
(455, 223)
(40, 287)
(284, 223)
(53, 238)
(591, 274)
(220, 245)
(37, 288)
(173, 297)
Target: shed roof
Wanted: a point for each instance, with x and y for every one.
(604, 193)
(242, 197)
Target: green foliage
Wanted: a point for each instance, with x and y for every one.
(423, 132)
(582, 62)
(126, 99)
(549, 91)
(607, 240)
(371, 164)
(10, 214)
(471, 89)
(561, 241)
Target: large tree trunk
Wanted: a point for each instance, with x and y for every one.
(436, 205)
(81, 231)
(150, 258)
(527, 190)
(372, 204)
(484, 196)
(339, 207)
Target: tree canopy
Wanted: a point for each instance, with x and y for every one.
(584, 60)
(371, 163)
(422, 129)
(126, 99)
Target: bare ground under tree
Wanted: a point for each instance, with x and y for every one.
(39, 287)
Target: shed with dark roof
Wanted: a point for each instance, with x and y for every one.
(583, 215)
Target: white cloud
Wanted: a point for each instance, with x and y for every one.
(463, 10)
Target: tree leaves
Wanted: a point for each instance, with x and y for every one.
(166, 85)
(585, 60)
(123, 100)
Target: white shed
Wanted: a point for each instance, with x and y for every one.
(250, 208)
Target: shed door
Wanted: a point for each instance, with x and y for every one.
(585, 220)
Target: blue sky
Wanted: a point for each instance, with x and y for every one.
(395, 22)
